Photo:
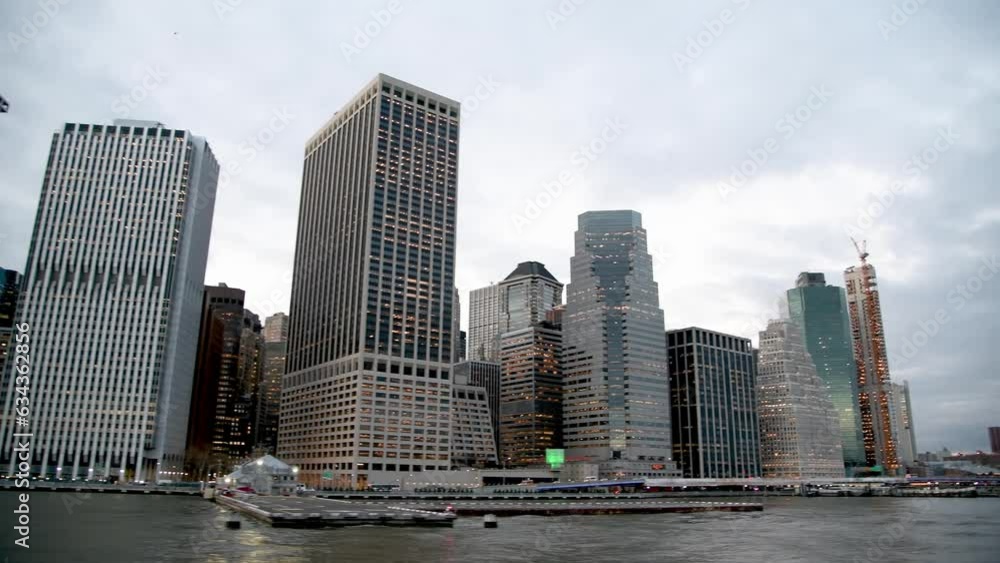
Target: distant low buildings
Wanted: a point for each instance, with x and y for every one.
(800, 432)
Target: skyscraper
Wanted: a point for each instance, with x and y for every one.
(484, 324)
(902, 424)
(820, 311)
(616, 401)
(220, 427)
(10, 286)
(368, 386)
(994, 432)
(526, 294)
(713, 406)
(531, 390)
(275, 353)
(874, 389)
(472, 440)
(112, 294)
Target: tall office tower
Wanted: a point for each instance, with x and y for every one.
(526, 295)
(800, 432)
(472, 441)
(484, 324)
(251, 372)
(487, 376)
(112, 296)
(218, 436)
(463, 344)
(530, 394)
(10, 286)
(457, 346)
(616, 401)
(275, 352)
(874, 389)
(902, 423)
(368, 385)
(994, 432)
(713, 405)
(820, 311)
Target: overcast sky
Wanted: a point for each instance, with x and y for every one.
(651, 106)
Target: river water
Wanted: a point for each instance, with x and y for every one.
(144, 528)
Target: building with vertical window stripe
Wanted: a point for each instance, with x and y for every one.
(713, 404)
(112, 295)
(368, 382)
(484, 324)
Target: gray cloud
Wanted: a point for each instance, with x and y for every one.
(724, 262)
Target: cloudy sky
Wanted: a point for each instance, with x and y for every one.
(754, 137)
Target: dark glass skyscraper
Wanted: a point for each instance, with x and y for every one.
(616, 402)
(820, 311)
(713, 404)
(368, 386)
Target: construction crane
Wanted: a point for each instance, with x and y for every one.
(861, 248)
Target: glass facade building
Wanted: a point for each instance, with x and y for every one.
(616, 400)
(713, 404)
(902, 412)
(484, 324)
(368, 382)
(274, 355)
(800, 434)
(820, 311)
(530, 394)
(526, 295)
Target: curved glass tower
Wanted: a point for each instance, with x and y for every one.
(616, 403)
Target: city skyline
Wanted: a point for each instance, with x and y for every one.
(729, 264)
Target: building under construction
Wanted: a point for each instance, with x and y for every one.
(874, 385)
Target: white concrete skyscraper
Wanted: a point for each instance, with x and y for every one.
(616, 401)
(800, 435)
(368, 386)
(112, 295)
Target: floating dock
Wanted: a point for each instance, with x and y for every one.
(313, 512)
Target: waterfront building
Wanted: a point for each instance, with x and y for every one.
(874, 382)
(800, 432)
(112, 293)
(530, 394)
(713, 406)
(484, 324)
(368, 382)
(487, 376)
(458, 344)
(220, 429)
(472, 441)
(10, 286)
(274, 354)
(820, 311)
(994, 432)
(616, 393)
(902, 424)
